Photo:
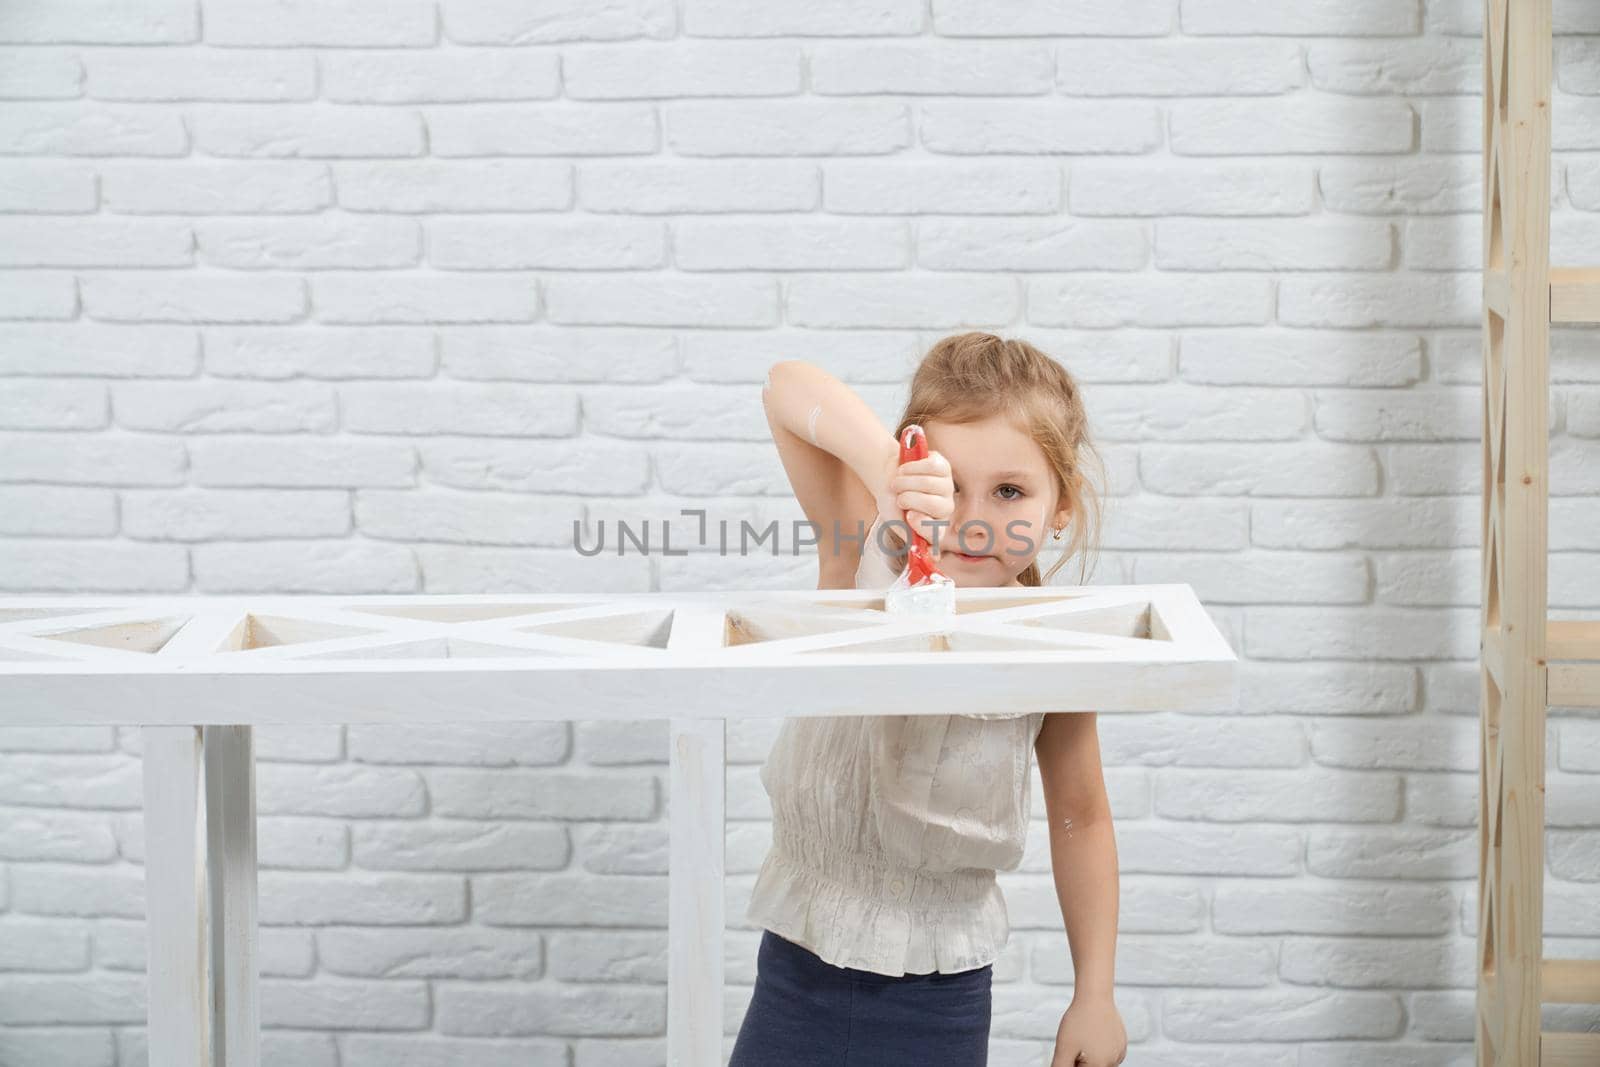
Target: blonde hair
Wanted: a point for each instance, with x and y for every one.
(971, 376)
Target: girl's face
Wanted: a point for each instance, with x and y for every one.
(1005, 506)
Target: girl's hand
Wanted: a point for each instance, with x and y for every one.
(918, 493)
(1091, 1034)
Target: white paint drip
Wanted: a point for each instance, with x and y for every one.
(811, 424)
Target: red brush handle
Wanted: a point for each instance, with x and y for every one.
(919, 561)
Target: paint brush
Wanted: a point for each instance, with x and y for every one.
(921, 589)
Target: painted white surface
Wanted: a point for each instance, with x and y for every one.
(308, 660)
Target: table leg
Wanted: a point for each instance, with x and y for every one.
(178, 1031)
(200, 896)
(697, 789)
(230, 774)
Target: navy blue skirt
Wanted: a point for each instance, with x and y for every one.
(806, 1012)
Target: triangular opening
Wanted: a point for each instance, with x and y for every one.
(1502, 59)
(24, 614)
(1112, 620)
(755, 625)
(1492, 591)
(146, 636)
(448, 613)
(1496, 239)
(643, 628)
(1488, 933)
(275, 631)
(952, 641)
(433, 648)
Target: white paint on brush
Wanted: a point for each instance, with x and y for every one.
(811, 424)
(934, 597)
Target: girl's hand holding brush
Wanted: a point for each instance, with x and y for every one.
(917, 493)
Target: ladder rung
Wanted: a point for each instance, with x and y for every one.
(1574, 294)
(1572, 651)
(1572, 639)
(1561, 1048)
(1570, 982)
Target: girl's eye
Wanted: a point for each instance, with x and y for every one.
(1012, 487)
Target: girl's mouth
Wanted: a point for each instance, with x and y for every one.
(969, 559)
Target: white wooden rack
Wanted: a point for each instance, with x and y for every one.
(198, 673)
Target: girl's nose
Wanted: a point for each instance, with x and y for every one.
(970, 533)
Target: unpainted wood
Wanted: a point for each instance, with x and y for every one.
(1514, 684)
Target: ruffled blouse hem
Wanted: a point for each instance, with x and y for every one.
(847, 929)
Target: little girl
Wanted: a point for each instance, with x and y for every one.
(881, 910)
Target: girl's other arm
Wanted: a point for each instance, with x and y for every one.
(1083, 854)
(838, 456)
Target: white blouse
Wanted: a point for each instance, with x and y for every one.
(887, 830)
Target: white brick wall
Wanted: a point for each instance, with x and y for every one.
(381, 295)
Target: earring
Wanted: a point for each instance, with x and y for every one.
(1058, 532)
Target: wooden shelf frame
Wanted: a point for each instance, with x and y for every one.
(1528, 661)
(197, 674)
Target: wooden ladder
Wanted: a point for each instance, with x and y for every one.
(1528, 661)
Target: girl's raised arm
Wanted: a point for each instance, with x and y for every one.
(839, 458)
